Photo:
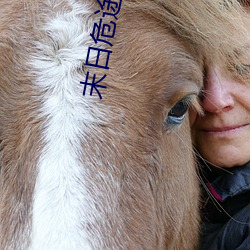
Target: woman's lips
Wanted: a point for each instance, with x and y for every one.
(225, 130)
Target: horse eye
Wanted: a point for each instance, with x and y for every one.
(178, 112)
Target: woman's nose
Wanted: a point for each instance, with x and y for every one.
(217, 93)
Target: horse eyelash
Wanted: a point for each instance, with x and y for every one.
(195, 105)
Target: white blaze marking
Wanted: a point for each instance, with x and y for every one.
(61, 203)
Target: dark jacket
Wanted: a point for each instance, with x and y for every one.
(226, 211)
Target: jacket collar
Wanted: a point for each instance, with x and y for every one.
(229, 183)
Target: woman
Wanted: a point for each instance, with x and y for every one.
(222, 139)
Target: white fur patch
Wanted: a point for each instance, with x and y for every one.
(62, 206)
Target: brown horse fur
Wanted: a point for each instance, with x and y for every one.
(83, 173)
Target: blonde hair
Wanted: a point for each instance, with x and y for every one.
(209, 25)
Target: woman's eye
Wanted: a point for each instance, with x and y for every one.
(242, 69)
(177, 113)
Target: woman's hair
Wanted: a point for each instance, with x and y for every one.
(244, 2)
(209, 25)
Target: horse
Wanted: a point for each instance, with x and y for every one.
(96, 150)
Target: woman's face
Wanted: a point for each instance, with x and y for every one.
(222, 136)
